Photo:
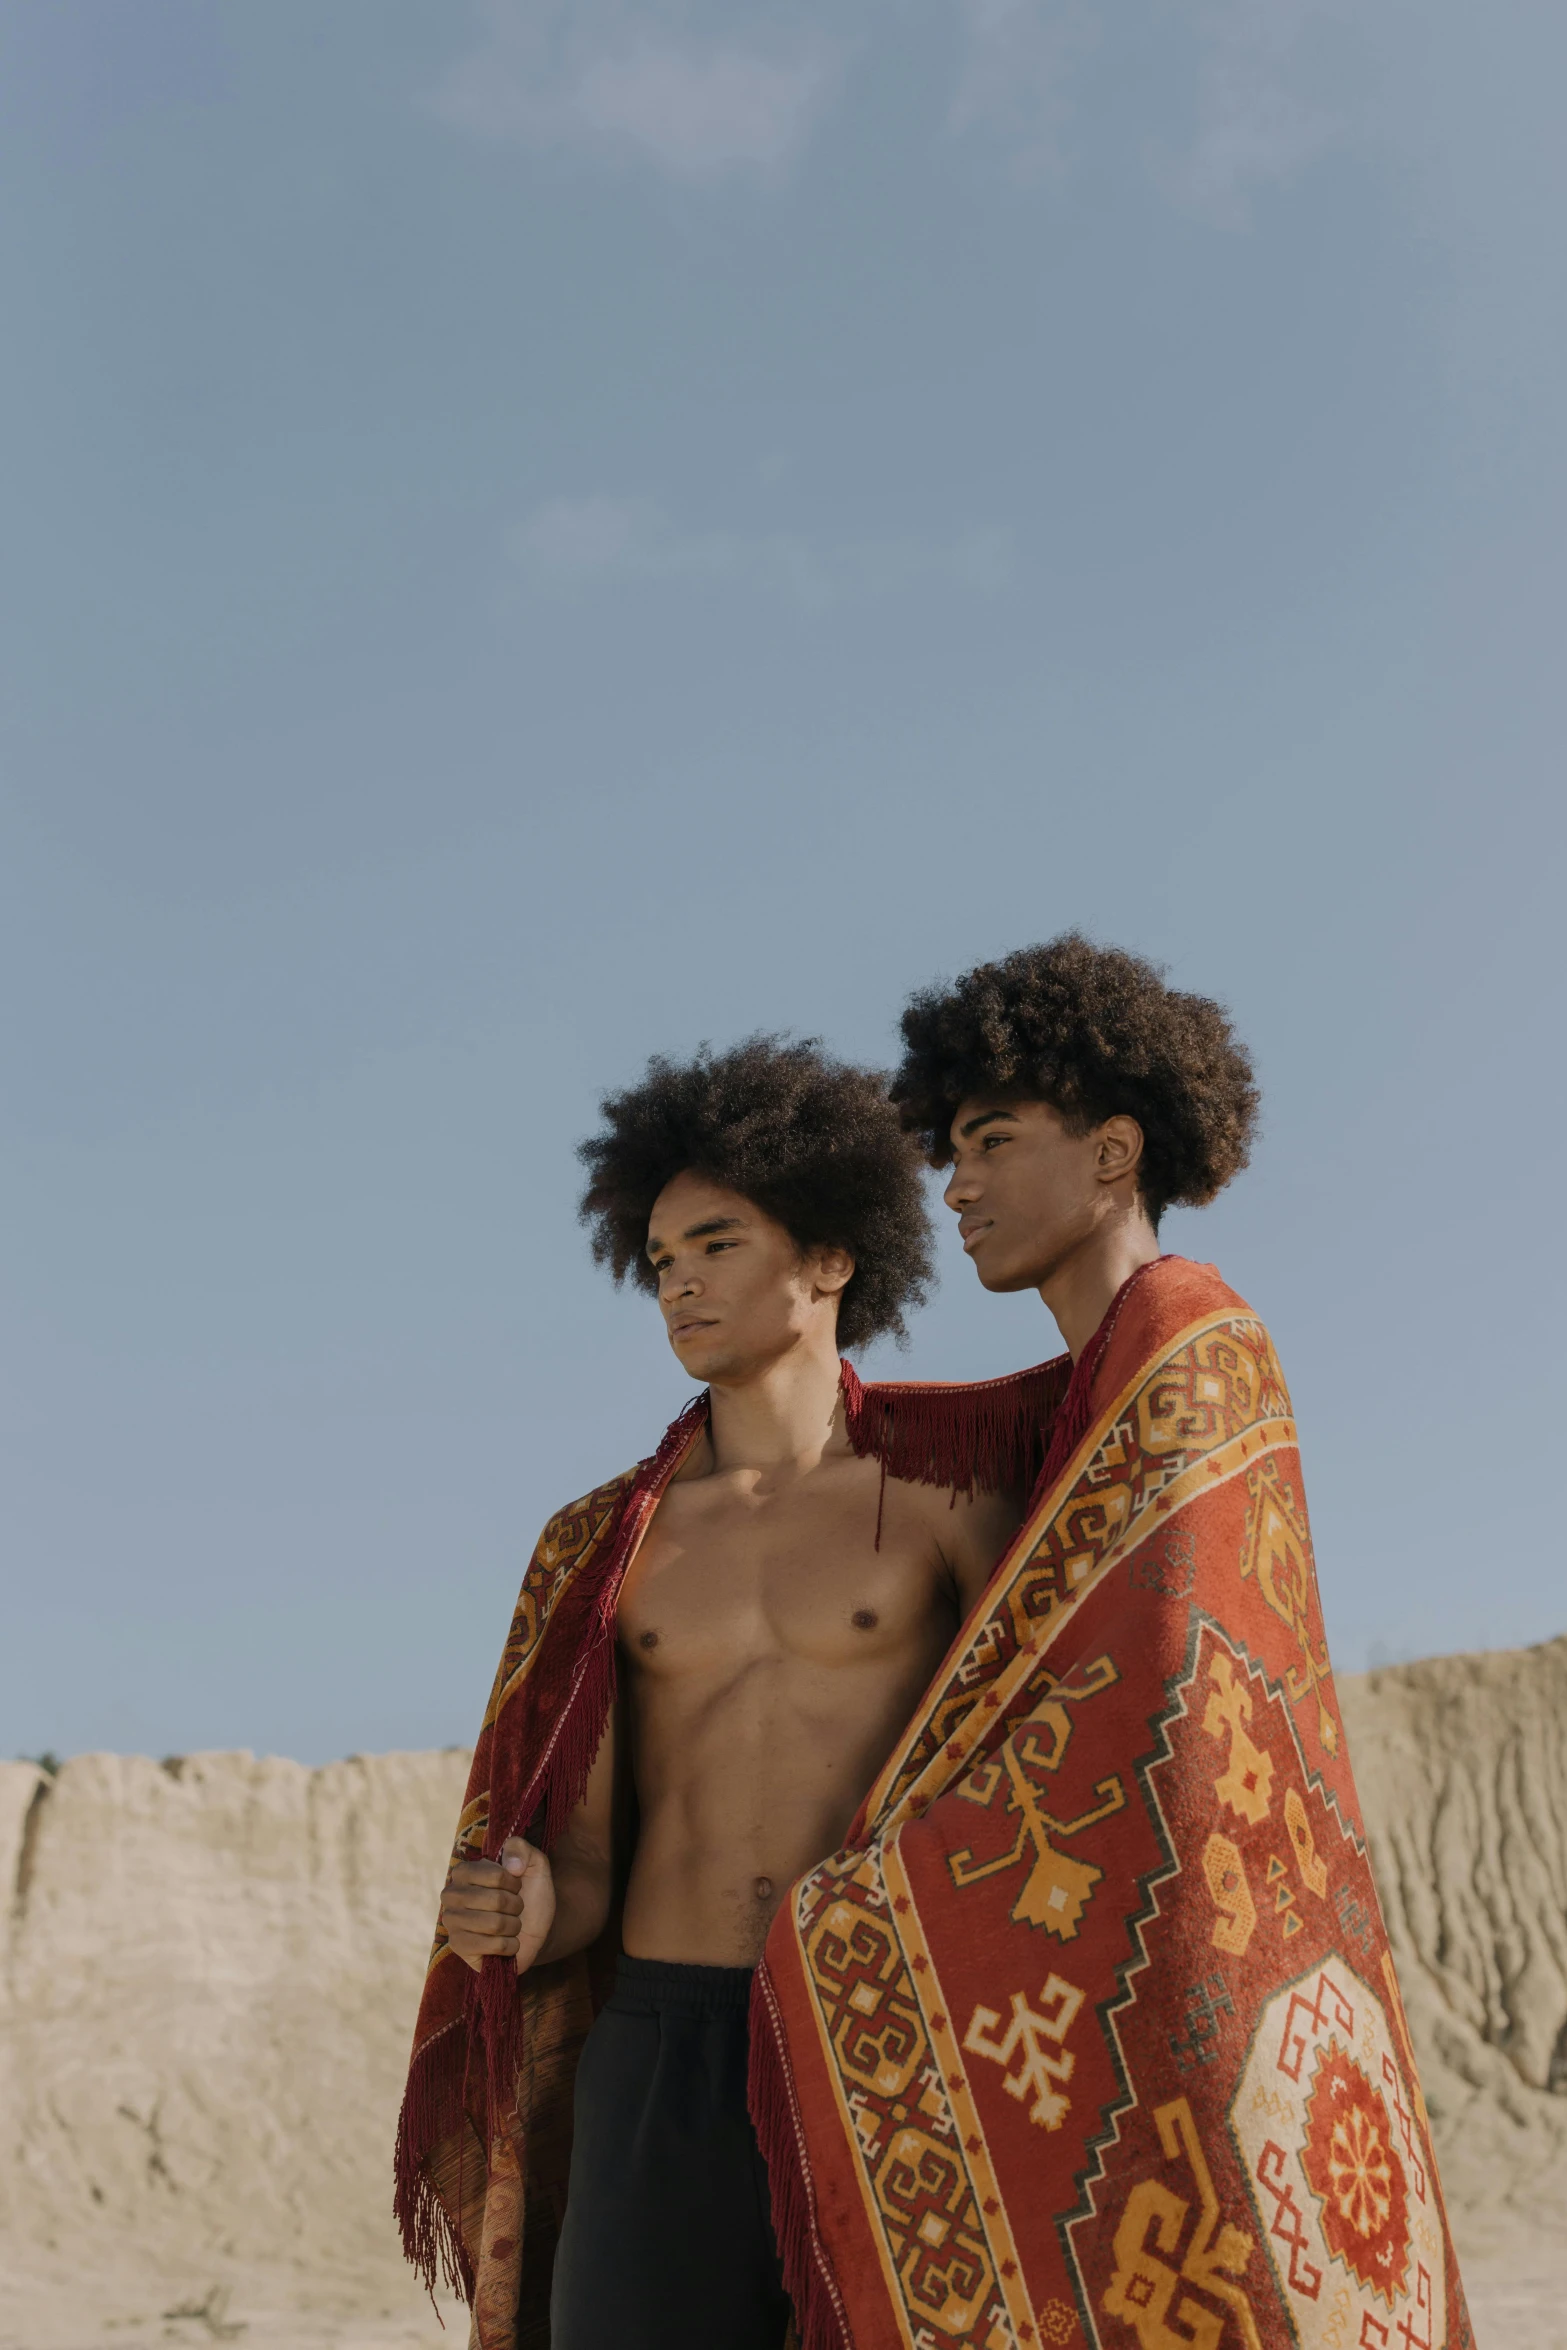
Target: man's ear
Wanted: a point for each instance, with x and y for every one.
(1119, 1150)
(832, 1272)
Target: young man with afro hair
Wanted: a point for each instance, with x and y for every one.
(1075, 1097)
(1094, 2035)
(710, 1660)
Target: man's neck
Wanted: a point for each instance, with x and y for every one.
(786, 1415)
(1083, 1287)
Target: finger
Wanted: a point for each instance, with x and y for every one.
(478, 1922)
(468, 1929)
(518, 1855)
(484, 1945)
(482, 1899)
(477, 1872)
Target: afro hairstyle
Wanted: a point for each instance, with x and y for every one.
(1096, 1033)
(812, 1141)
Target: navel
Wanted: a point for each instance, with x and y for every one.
(762, 1887)
(864, 1619)
(647, 1640)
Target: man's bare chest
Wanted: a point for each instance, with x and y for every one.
(720, 1579)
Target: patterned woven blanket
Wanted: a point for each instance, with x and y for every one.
(1092, 2034)
(484, 2138)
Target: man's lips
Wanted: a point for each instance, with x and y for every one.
(972, 1230)
(687, 1325)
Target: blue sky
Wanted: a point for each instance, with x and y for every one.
(537, 534)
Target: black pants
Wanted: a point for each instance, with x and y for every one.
(667, 2242)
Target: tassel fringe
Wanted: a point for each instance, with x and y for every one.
(1074, 1415)
(432, 2109)
(988, 1435)
(559, 1777)
(569, 1707)
(819, 2317)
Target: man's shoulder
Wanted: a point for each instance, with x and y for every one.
(595, 1514)
(1166, 1309)
(1166, 1299)
(581, 1520)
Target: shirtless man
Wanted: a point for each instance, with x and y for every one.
(776, 1629)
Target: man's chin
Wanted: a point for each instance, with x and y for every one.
(703, 1357)
(1003, 1277)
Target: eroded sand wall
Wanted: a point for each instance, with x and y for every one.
(209, 1978)
(1462, 1767)
(208, 1975)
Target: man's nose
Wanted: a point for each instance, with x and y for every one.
(962, 1190)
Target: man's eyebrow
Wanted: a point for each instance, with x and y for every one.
(698, 1231)
(985, 1118)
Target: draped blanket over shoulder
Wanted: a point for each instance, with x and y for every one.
(1091, 2033)
(484, 2139)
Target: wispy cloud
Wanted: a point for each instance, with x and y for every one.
(1232, 95)
(647, 83)
(1263, 112)
(1260, 71)
(1016, 61)
(573, 544)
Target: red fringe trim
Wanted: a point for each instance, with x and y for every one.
(559, 1778)
(432, 2109)
(989, 1434)
(1076, 1413)
(819, 2316)
(569, 1726)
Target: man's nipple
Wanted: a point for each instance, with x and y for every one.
(647, 1640)
(864, 1619)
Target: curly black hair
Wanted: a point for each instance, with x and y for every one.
(810, 1140)
(1096, 1033)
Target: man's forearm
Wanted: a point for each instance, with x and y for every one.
(582, 1899)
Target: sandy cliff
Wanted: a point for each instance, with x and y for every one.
(1462, 1766)
(208, 1974)
(209, 1977)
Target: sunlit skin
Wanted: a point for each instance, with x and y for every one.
(770, 1652)
(1039, 1207)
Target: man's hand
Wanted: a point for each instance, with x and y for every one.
(500, 1908)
